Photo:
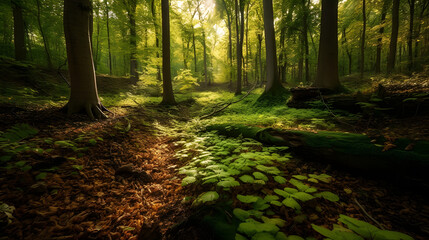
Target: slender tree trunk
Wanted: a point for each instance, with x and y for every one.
(45, 41)
(362, 44)
(228, 15)
(239, 24)
(273, 86)
(19, 32)
(205, 59)
(167, 94)
(394, 37)
(108, 37)
(261, 78)
(380, 39)
(419, 27)
(84, 95)
(327, 67)
(195, 49)
(410, 35)
(155, 24)
(246, 64)
(134, 76)
(282, 57)
(305, 39)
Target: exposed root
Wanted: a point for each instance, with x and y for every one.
(94, 111)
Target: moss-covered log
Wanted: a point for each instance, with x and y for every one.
(404, 158)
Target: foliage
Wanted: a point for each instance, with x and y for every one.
(358, 230)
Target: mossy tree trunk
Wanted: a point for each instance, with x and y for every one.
(18, 31)
(84, 95)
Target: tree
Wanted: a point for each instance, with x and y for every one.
(106, 12)
(19, 31)
(394, 37)
(131, 6)
(239, 26)
(327, 64)
(380, 38)
(45, 41)
(410, 35)
(167, 94)
(273, 86)
(84, 95)
(362, 46)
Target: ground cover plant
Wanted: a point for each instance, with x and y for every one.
(214, 119)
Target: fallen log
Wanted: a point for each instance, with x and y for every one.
(358, 152)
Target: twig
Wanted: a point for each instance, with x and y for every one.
(228, 104)
(366, 213)
(61, 75)
(333, 114)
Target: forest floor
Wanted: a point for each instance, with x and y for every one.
(124, 177)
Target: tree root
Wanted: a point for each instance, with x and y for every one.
(94, 111)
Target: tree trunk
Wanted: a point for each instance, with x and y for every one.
(239, 26)
(155, 24)
(84, 95)
(305, 39)
(19, 32)
(108, 37)
(282, 57)
(167, 94)
(362, 44)
(410, 35)
(261, 78)
(246, 62)
(205, 59)
(134, 76)
(273, 86)
(195, 49)
(97, 49)
(327, 67)
(394, 37)
(45, 41)
(380, 39)
(419, 27)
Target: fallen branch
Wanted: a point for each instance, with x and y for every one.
(367, 214)
(228, 104)
(61, 75)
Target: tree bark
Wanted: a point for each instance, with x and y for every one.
(261, 78)
(19, 32)
(134, 76)
(380, 39)
(394, 37)
(155, 24)
(239, 24)
(167, 94)
(362, 44)
(410, 35)
(108, 37)
(305, 39)
(84, 95)
(273, 86)
(228, 17)
(327, 67)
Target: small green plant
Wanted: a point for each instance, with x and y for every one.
(358, 230)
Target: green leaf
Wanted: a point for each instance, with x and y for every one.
(260, 176)
(328, 196)
(92, 141)
(270, 198)
(239, 237)
(277, 221)
(271, 170)
(263, 236)
(206, 197)
(247, 179)
(290, 202)
(251, 228)
(228, 183)
(188, 180)
(298, 184)
(290, 190)
(281, 236)
(280, 179)
(127, 228)
(282, 193)
(276, 203)
(391, 235)
(302, 196)
(247, 198)
(41, 176)
(311, 190)
(362, 228)
(300, 177)
(241, 214)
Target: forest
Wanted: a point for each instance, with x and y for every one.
(214, 119)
